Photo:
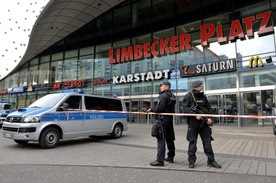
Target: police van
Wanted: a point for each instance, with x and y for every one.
(66, 115)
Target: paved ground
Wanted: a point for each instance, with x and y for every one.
(240, 150)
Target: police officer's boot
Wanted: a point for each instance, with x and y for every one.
(213, 164)
(169, 159)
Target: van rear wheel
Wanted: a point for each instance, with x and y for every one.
(49, 138)
(117, 131)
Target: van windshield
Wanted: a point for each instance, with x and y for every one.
(48, 101)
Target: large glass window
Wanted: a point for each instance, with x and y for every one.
(71, 53)
(141, 88)
(11, 81)
(164, 61)
(141, 13)
(102, 66)
(258, 77)
(256, 46)
(56, 71)
(102, 90)
(31, 97)
(33, 75)
(221, 81)
(86, 51)
(43, 73)
(187, 10)
(121, 89)
(122, 18)
(70, 69)
(104, 28)
(85, 67)
(21, 100)
(122, 68)
(162, 9)
(23, 77)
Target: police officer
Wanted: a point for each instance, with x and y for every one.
(165, 104)
(196, 102)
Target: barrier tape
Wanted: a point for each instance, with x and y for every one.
(183, 114)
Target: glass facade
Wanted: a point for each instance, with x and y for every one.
(82, 59)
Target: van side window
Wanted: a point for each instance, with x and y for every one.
(74, 102)
(95, 103)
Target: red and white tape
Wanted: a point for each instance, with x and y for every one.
(182, 114)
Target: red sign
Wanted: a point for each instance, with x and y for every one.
(5, 91)
(182, 42)
(146, 50)
(56, 85)
(236, 31)
(69, 84)
(98, 81)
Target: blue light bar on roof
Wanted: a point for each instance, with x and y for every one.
(71, 91)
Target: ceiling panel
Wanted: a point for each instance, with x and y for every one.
(60, 18)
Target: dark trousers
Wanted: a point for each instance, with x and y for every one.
(164, 139)
(205, 135)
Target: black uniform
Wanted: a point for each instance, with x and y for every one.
(166, 104)
(196, 127)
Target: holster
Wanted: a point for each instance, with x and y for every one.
(156, 129)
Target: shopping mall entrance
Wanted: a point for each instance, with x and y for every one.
(257, 103)
(138, 105)
(224, 104)
(253, 103)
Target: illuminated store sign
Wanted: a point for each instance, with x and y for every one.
(5, 91)
(255, 60)
(18, 89)
(208, 68)
(146, 50)
(69, 84)
(181, 42)
(139, 77)
(98, 81)
(236, 30)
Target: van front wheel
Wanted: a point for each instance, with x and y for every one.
(117, 131)
(49, 138)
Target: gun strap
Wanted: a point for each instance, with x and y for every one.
(196, 103)
(194, 98)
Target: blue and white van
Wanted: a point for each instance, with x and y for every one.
(64, 116)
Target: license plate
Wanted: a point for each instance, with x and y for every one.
(8, 135)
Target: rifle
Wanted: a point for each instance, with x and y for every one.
(205, 119)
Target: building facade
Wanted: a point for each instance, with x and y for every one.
(131, 48)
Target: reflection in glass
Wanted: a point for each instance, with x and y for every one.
(43, 73)
(102, 66)
(70, 69)
(221, 81)
(85, 67)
